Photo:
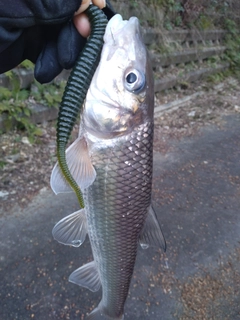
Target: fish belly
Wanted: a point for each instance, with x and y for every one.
(116, 206)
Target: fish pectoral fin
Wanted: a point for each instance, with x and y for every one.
(80, 166)
(58, 182)
(151, 234)
(71, 230)
(86, 276)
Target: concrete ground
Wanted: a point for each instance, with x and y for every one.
(196, 193)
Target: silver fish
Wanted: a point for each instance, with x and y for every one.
(112, 162)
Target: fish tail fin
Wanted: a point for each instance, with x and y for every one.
(99, 314)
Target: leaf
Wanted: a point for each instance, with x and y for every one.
(27, 64)
(5, 93)
(48, 98)
(3, 107)
(2, 164)
(23, 94)
(9, 74)
(37, 132)
(27, 112)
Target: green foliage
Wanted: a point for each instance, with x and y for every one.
(133, 3)
(219, 77)
(14, 102)
(173, 10)
(2, 164)
(48, 94)
(204, 22)
(216, 77)
(27, 64)
(232, 42)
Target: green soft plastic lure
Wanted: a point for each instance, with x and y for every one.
(76, 90)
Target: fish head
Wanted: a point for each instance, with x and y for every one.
(121, 94)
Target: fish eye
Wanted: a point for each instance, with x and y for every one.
(134, 81)
(131, 78)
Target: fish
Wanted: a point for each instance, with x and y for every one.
(111, 161)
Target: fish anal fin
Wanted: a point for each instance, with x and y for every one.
(99, 314)
(80, 166)
(151, 234)
(71, 230)
(86, 276)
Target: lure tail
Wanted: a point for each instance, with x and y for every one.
(76, 90)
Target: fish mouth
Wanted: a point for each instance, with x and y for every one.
(117, 25)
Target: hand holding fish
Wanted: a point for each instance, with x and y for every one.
(81, 20)
(45, 33)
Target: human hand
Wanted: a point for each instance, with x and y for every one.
(44, 33)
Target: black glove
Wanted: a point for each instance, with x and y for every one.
(41, 31)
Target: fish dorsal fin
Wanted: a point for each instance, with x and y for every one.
(71, 230)
(86, 276)
(80, 166)
(151, 234)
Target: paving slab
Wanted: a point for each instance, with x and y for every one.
(196, 194)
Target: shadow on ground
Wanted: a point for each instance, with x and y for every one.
(196, 192)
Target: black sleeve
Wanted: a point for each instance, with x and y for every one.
(41, 31)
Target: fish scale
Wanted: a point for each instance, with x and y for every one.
(116, 208)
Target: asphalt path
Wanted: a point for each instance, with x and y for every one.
(196, 194)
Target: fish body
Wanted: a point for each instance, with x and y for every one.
(117, 204)
(112, 163)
